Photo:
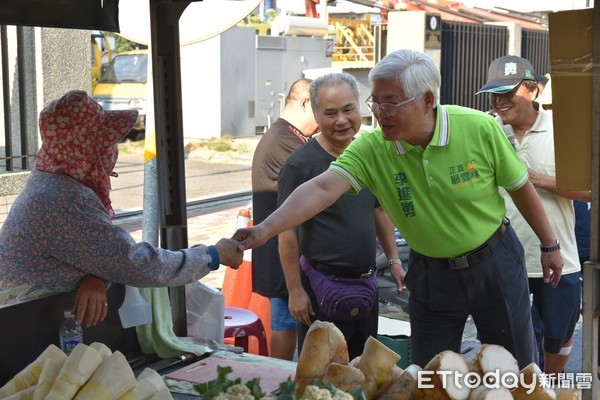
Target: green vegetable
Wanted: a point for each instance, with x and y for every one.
(212, 389)
(224, 388)
(287, 390)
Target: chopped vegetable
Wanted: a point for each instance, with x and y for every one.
(223, 388)
(219, 386)
(30, 375)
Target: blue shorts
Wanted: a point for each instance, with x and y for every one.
(559, 309)
(281, 318)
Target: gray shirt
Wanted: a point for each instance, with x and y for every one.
(58, 231)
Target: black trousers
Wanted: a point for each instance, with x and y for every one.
(494, 292)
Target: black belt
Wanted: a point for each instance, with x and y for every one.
(362, 273)
(472, 257)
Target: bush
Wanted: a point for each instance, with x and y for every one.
(222, 145)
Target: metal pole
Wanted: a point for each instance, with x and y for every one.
(8, 137)
(591, 270)
(164, 29)
(22, 100)
(150, 215)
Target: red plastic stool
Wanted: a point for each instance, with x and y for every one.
(241, 323)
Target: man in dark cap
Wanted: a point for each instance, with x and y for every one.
(513, 91)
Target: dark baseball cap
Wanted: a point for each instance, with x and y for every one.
(507, 72)
(541, 79)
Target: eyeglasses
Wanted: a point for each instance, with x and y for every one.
(388, 108)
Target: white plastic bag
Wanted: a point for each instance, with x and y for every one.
(205, 307)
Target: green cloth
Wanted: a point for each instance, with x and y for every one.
(158, 337)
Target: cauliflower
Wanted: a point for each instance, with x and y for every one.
(223, 388)
(313, 392)
(236, 392)
(341, 395)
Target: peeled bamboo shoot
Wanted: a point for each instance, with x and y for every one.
(25, 394)
(405, 387)
(163, 394)
(493, 359)
(30, 375)
(49, 374)
(377, 362)
(149, 382)
(343, 377)
(438, 384)
(79, 367)
(102, 349)
(485, 393)
(111, 380)
(324, 343)
(530, 388)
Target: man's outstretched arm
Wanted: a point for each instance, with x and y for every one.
(305, 202)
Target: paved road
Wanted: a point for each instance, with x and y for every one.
(203, 180)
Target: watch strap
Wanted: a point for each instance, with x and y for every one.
(550, 249)
(394, 261)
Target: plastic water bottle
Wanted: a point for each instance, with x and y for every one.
(242, 219)
(71, 333)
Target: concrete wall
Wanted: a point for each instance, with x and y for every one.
(408, 30)
(54, 61)
(201, 97)
(66, 62)
(238, 74)
(217, 78)
(280, 61)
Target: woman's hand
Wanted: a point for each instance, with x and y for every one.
(90, 301)
(229, 253)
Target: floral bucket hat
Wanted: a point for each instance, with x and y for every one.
(79, 139)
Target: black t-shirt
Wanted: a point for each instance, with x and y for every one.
(343, 235)
(271, 153)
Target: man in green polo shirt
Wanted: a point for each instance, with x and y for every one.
(436, 171)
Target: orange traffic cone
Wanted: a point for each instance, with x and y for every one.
(262, 308)
(237, 284)
(237, 291)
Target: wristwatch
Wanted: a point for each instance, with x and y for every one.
(394, 261)
(550, 249)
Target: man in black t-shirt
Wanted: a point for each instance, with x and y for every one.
(340, 240)
(291, 130)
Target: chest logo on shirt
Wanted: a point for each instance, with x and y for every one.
(464, 174)
(404, 194)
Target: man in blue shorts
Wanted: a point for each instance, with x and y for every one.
(291, 130)
(436, 170)
(513, 89)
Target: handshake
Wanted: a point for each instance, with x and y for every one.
(231, 251)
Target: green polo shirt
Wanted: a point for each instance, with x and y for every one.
(444, 199)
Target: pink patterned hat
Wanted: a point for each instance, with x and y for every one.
(79, 139)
